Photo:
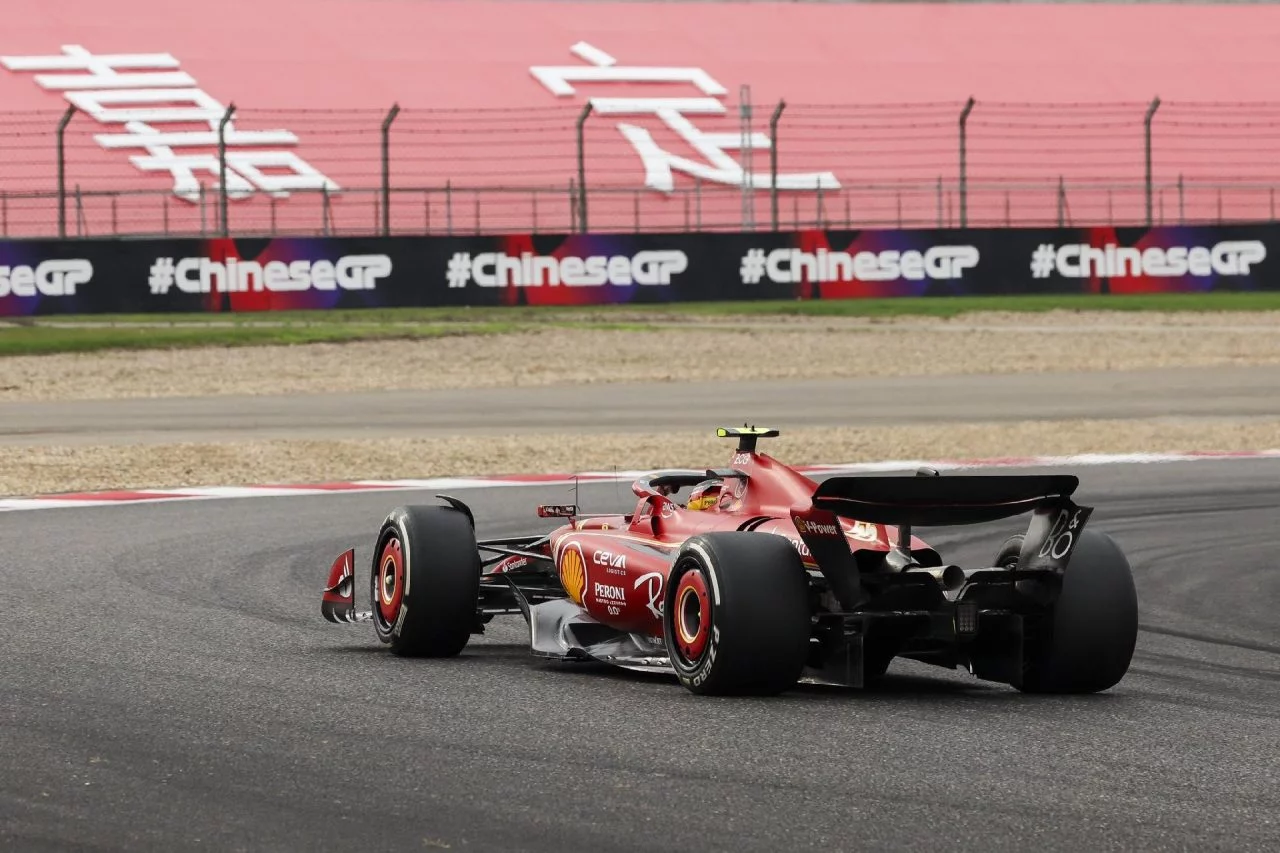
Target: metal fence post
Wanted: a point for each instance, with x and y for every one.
(1062, 202)
(964, 166)
(448, 206)
(386, 168)
(773, 161)
(1146, 133)
(222, 166)
(582, 169)
(748, 173)
(62, 170)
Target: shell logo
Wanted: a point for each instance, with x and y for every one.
(573, 572)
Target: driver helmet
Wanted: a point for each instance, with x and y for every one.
(705, 495)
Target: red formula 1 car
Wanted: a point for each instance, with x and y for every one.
(764, 577)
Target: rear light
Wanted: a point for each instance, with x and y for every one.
(966, 618)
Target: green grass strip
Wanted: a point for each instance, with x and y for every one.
(52, 334)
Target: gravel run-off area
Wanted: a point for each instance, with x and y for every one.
(728, 350)
(43, 470)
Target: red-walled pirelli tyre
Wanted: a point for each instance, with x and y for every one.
(736, 614)
(1085, 643)
(425, 581)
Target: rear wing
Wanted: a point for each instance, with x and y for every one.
(935, 501)
(939, 501)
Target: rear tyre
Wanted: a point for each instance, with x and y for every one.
(736, 614)
(1007, 555)
(425, 581)
(1085, 642)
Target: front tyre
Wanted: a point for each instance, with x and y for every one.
(736, 614)
(1085, 642)
(425, 581)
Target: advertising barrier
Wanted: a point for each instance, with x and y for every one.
(41, 277)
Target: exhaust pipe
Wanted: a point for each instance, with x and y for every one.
(951, 577)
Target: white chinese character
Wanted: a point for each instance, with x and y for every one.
(659, 163)
(140, 101)
(102, 69)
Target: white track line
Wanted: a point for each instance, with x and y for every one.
(441, 484)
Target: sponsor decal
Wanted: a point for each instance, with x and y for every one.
(816, 529)
(155, 105)
(860, 530)
(510, 564)
(498, 269)
(573, 572)
(201, 275)
(606, 592)
(672, 113)
(790, 266)
(1080, 260)
(616, 563)
(652, 583)
(712, 651)
(49, 278)
(1062, 536)
(741, 459)
(864, 531)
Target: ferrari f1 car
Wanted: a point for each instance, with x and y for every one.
(764, 578)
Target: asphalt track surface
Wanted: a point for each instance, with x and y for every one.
(1227, 392)
(167, 683)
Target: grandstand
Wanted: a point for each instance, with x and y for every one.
(373, 116)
